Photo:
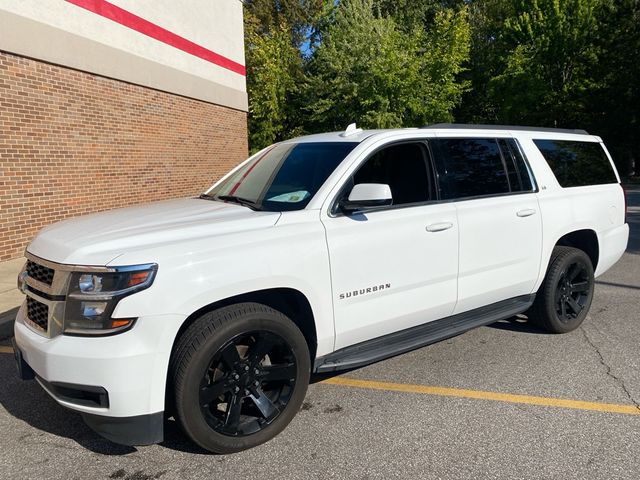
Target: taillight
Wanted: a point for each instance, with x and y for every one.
(624, 196)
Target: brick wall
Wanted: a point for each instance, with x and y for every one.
(73, 143)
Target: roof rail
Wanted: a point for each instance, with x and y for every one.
(506, 127)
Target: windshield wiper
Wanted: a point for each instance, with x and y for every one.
(245, 202)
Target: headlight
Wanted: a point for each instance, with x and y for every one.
(92, 297)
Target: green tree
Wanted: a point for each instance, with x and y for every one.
(411, 13)
(486, 21)
(367, 69)
(564, 63)
(297, 15)
(552, 53)
(275, 31)
(271, 64)
(615, 105)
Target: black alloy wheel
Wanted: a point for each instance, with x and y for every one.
(238, 376)
(572, 292)
(564, 298)
(248, 383)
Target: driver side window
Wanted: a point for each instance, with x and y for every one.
(405, 167)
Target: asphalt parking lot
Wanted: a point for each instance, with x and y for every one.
(503, 401)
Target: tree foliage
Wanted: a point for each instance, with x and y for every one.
(271, 71)
(486, 20)
(274, 33)
(549, 61)
(614, 106)
(564, 63)
(295, 15)
(316, 65)
(369, 70)
(365, 62)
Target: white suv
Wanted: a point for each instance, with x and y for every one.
(317, 254)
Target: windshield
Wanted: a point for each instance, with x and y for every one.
(285, 177)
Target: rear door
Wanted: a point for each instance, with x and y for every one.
(393, 267)
(498, 218)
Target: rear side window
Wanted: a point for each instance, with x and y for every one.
(576, 164)
(470, 167)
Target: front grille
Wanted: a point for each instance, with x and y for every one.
(38, 313)
(40, 272)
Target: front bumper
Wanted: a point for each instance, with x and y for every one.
(138, 430)
(130, 368)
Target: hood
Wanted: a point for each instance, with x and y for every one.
(99, 238)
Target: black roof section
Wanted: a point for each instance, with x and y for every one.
(506, 127)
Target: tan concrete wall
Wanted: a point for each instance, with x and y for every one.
(61, 32)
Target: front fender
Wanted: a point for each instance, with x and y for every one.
(195, 276)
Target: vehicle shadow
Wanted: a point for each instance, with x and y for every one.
(518, 323)
(27, 401)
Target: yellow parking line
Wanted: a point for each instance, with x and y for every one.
(6, 349)
(484, 395)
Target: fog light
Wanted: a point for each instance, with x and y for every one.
(93, 309)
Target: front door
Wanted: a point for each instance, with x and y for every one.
(393, 267)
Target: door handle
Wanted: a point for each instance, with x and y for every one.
(527, 212)
(439, 227)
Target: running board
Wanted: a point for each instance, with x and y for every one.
(409, 339)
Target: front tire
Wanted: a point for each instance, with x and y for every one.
(240, 375)
(565, 296)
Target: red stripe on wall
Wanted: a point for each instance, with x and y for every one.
(139, 24)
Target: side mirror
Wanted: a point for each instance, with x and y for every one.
(367, 195)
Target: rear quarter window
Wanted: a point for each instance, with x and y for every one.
(577, 164)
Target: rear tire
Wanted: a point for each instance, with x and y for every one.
(240, 375)
(564, 298)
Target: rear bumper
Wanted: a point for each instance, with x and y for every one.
(612, 243)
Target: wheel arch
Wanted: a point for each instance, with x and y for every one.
(289, 301)
(585, 240)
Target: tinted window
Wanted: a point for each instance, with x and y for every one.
(404, 167)
(520, 179)
(285, 177)
(470, 167)
(576, 164)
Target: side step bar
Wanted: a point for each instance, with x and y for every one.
(409, 339)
